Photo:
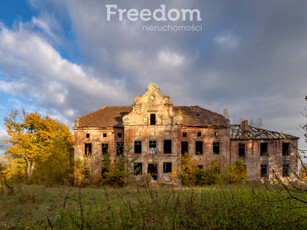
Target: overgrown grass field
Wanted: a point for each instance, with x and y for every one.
(212, 207)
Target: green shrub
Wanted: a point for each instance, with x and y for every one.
(235, 173)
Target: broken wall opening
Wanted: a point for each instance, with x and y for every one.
(242, 149)
(88, 149)
(263, 149)
(184, 147)
(167, 167)
(138, 168)
(199, 147)
(264, 170)
(152, 147)
(167, 146)
(153, 171)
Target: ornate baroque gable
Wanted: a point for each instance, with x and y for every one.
(152, 102)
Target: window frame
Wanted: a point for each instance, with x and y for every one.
(119, 148)
(285, 170)
(284, 153)
(262, 166)
(153, 119)
(138, 144)
(216, 144)
(135, 167)
(262, 154)
(182, 152)
(167, 165)
(199, 144)
(169, 149)
(88, 154)
(242, 147)
(103, 147)
(152, 143)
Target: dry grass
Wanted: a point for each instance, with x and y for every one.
(213, 207)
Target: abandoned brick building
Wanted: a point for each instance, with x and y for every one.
(158, 133)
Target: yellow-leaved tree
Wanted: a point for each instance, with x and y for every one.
(41, 144)
(188, 170)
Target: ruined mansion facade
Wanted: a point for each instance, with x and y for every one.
(158, 133)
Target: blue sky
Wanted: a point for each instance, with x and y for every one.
(63, 59)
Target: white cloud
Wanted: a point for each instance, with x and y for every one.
(228, 41)
(43, 25)
(245, 59)
(51, 79)
(4, 137)
(170, 58)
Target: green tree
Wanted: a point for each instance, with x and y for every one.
(121, 172)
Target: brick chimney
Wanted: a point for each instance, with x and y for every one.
(244, 126)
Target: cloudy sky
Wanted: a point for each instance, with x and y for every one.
(64, 59)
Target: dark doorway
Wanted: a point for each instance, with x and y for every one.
(264, 171)
(153, 170)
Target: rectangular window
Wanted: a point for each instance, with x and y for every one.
(285, 170)
(88, 149)
(285, 149)
(105, 148)
(153, 171)
(199, 147)
(137, 147)
(264, 171)
(152, 147)
(167, 167)
(184, 147)
(87, 135)
(199, 134)
(138, 168)
(184, 134)
(152, 119)
(263, 149)
(104, 135)
(119, 148)
(242, 150)
(216, 147)
(167, 146)
(119, 135)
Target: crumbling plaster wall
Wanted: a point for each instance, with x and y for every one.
(274, 160)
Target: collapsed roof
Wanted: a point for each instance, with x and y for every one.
(237, 132)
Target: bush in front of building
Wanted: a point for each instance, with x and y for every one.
(191, 174)
(188, 172)
(235, 173)
(208, 176)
